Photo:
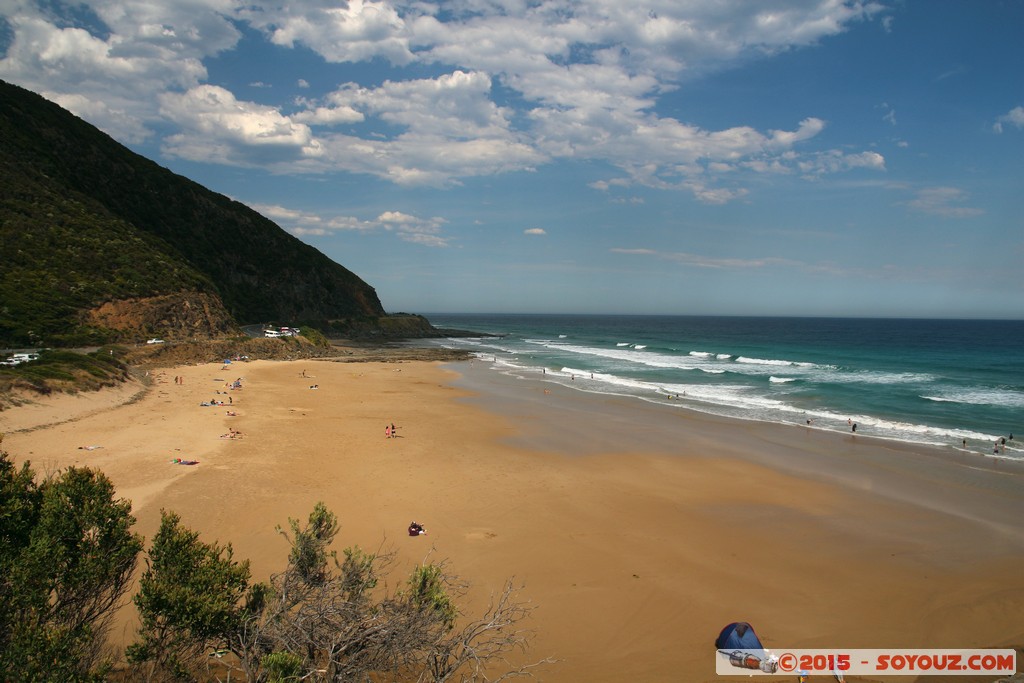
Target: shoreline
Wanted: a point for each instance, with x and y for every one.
(558, 418)
(637, 532)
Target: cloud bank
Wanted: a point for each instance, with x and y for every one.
(453, 90)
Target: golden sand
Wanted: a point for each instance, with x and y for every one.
(634, 554)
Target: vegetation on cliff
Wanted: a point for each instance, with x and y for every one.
(85, 222)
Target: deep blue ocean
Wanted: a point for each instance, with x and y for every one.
(937, 382)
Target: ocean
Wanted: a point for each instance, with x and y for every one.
(935, 382)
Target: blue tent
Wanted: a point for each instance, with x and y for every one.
(738, 636)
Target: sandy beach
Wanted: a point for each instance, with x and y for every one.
(637, 531)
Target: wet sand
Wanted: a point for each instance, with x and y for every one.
(637, 530)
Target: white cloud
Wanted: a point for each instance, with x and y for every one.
(241, 132)
(535, 231)
(442, 129)
(943, 201)
(111, 67)
(328, 116)
(410, 228)
(454, 105)
(340, 32)
(425, 231)
(783, 140)
(221, 127)
(1014, 117)
(585, 78)
(835, 161)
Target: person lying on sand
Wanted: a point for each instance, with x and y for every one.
(88, 448)
(416, 529)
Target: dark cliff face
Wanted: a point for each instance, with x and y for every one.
(85, 221)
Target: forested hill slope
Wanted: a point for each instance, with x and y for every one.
(99, 244)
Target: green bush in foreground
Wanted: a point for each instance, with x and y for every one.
(66, 560)
(188, 599)
(322, 619)
(67, 556)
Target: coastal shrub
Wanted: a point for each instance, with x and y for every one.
(330, 619)
(66, 560)
(427, 592)
(68, 371)
(315, 336)
(281, 667)
(309, 551)
(189, 601)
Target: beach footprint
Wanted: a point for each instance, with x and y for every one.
(480, 535)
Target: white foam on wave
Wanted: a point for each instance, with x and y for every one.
(494, 346)
(639, 346)
(772, 361)
(880, 377)
(723, 356)
(630, 355)
(781, 380)
(704, 361)
(746, 402)
(622, 344)
(608, 383)
(1004, 398)
(588, 379)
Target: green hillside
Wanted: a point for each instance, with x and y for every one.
(92, 236)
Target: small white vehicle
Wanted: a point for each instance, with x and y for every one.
(19, 358)
(155, 340)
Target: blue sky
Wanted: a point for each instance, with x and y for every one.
(777, 157)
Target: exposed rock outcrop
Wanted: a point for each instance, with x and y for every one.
(184, 315)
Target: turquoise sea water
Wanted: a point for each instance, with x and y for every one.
(937, 382)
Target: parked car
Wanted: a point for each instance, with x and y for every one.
(19, 358)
